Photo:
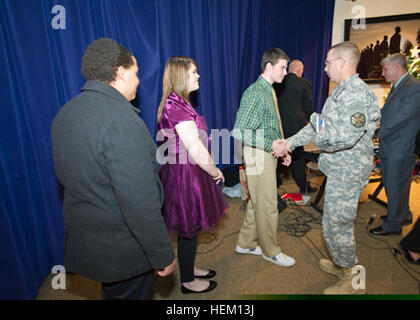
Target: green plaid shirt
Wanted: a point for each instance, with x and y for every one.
(256, 122)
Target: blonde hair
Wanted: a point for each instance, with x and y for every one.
(175, 79)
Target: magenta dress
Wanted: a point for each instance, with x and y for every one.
(192, 202)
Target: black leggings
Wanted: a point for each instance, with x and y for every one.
(186, 255)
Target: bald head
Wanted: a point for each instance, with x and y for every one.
(296, 66)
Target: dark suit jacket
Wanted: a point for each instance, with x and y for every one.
(400, 121)
(105, 159)
(294, 97)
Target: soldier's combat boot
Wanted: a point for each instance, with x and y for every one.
(329, 267)
(345, 285)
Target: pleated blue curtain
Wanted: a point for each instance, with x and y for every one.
(40, 71)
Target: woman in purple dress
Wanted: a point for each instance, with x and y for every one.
(193, 200)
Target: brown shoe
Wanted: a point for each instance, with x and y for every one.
(345, 285)
(329, 267)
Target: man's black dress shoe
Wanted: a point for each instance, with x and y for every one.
(209, 275)
(381, 232)
(308, 189)
(407, 221)
(212, 285)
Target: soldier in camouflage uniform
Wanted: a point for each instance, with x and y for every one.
(350, 116)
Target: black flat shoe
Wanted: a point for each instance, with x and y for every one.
(381, 232)
(209, 275)
(212, 285)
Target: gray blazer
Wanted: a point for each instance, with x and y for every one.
(105, 159)
(400, 121)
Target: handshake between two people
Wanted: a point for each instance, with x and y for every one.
(280, 148)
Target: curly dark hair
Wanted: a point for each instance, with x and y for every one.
(102, 59)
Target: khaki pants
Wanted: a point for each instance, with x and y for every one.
(261, 217)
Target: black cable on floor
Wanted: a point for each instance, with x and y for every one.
(316, 247)
(217, 245)
(298, 222)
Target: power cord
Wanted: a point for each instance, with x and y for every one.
(217, 245)
(315, 246)
(298, 224)
(298, 221)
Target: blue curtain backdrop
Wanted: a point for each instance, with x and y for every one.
(41, 71)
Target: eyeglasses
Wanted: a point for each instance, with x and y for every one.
(327, 62)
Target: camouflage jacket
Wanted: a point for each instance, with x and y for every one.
(351, 115)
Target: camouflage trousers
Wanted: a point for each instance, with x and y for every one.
(340, 210)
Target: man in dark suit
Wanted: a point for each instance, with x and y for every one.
(105, 159)
(295, 105)
(400, 123)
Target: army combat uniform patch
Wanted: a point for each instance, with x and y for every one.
(358, 120)
(356, 113)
